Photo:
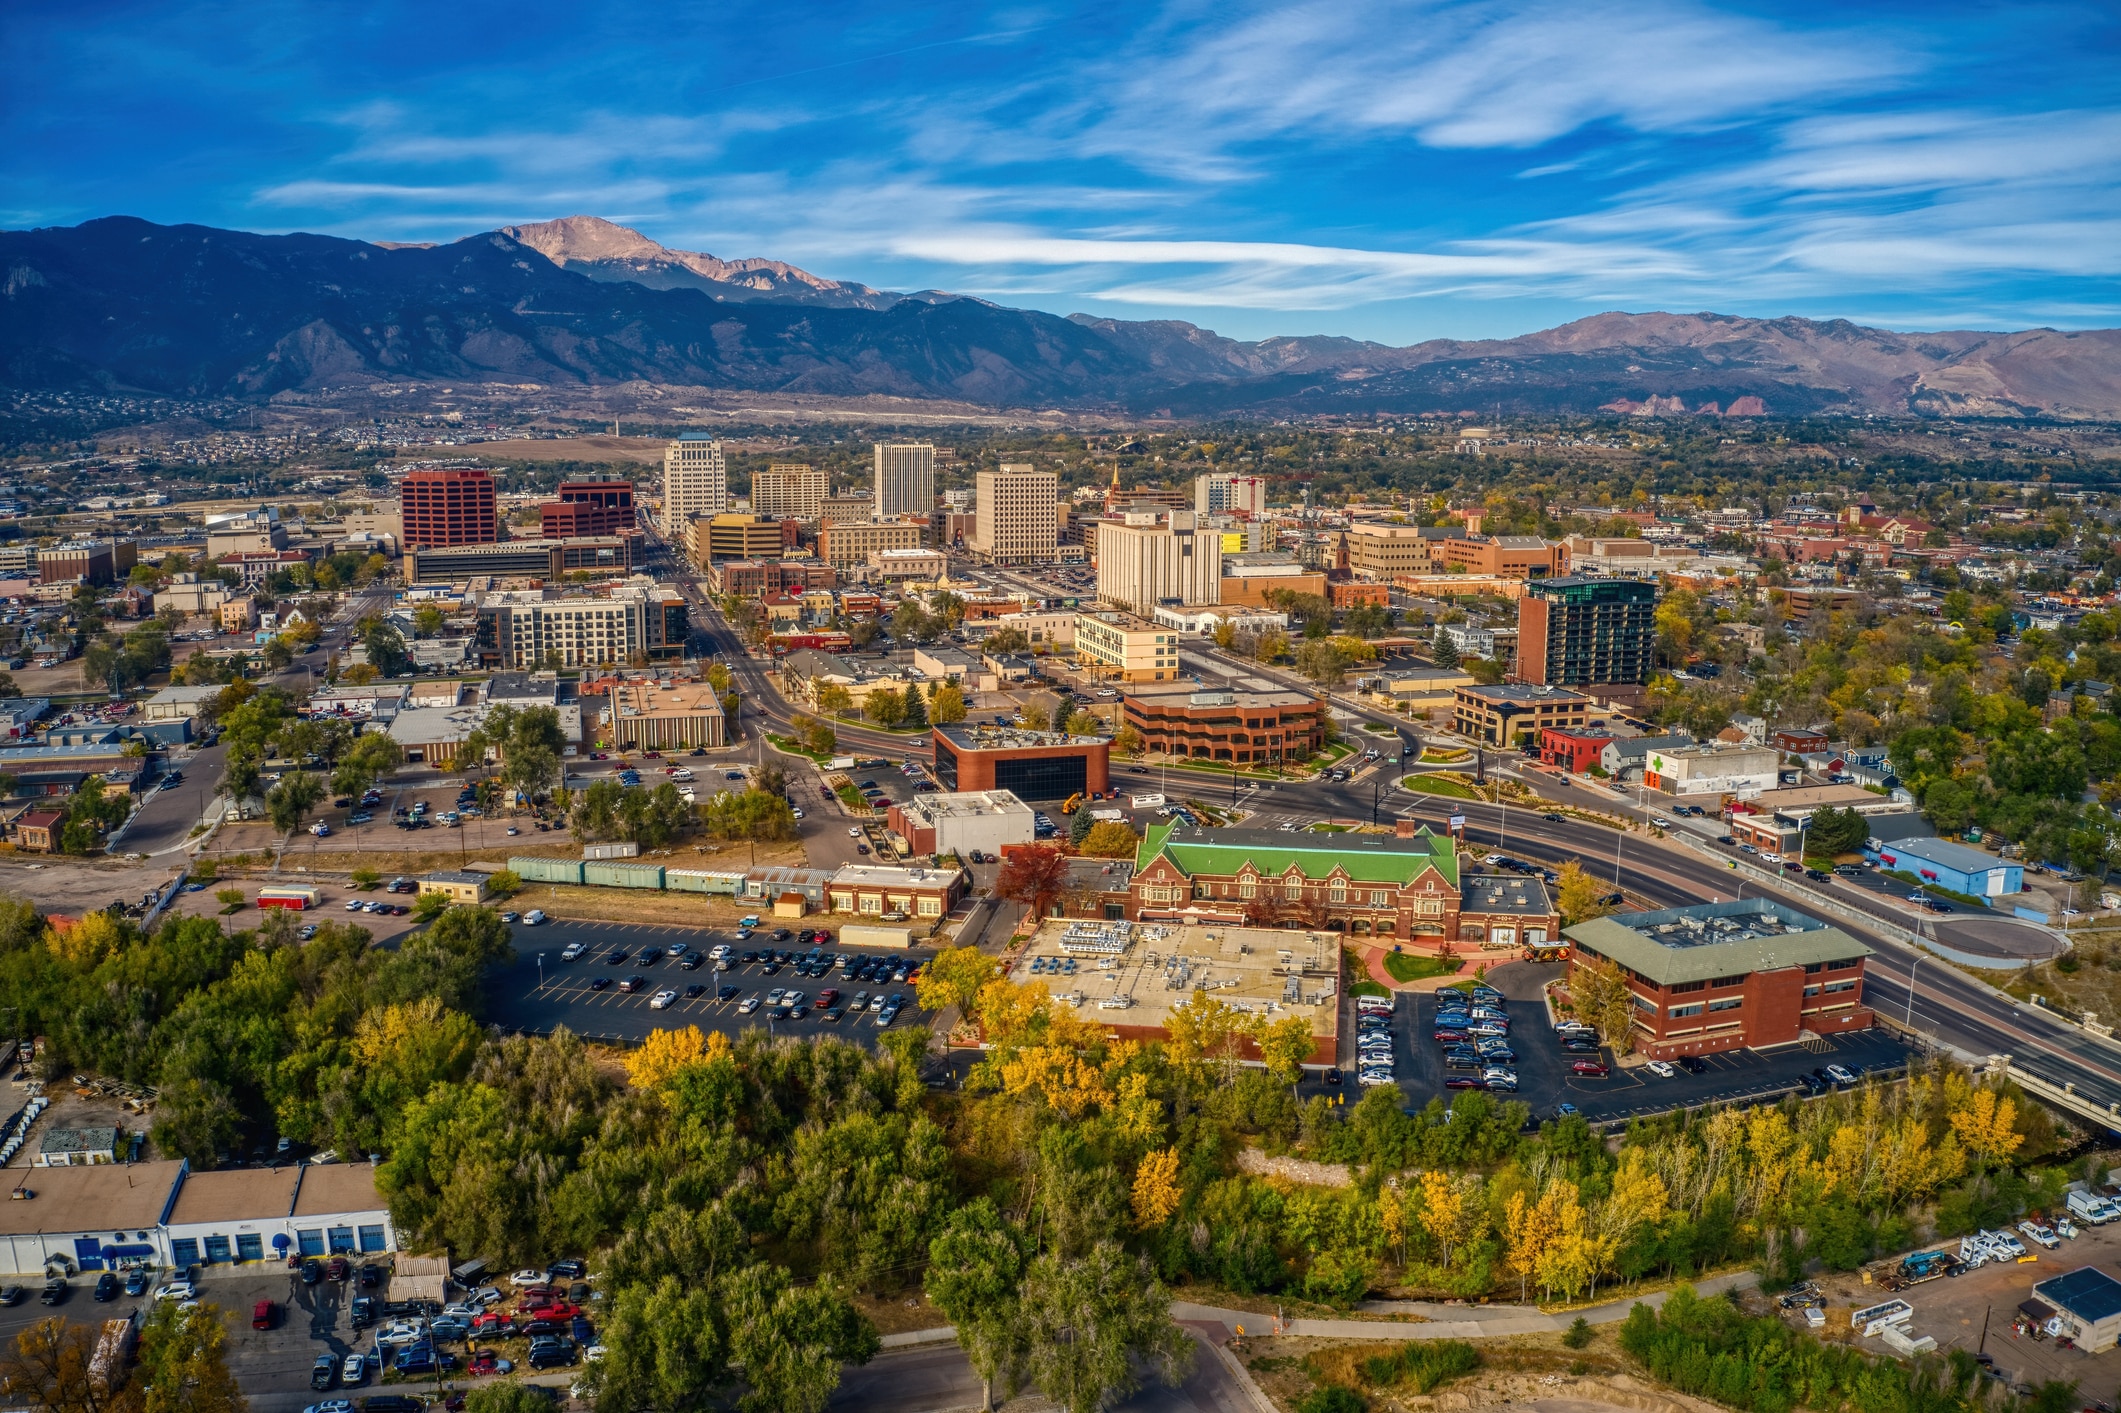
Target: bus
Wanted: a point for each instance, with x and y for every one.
(297, 899)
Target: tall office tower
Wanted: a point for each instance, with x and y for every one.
(695, 482)
(1219, 490)
(1585, 633)
(905, 479)
(788, 491)
(1016, 518)
(448, 507)
(1159, 557)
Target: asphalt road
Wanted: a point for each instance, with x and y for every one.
(937, 1376)
(165, 820)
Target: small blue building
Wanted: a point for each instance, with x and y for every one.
(1950, 865)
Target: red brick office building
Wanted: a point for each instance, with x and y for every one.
(1726, 976)
(453, 506)
(588, 508)
(1243, 727)
(1036, 765)
(1573, 751)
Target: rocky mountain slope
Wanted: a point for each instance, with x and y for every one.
(190, 310)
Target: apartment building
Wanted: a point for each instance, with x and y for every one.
(588, 508)
(1587, 633)
(1728, 976)
(846, 543)
(1241, 727)
(86, 562)
(727, 536)
(695, 482)
(788, 491)
(1220, 491)
(531, 628)
(905, 479)
(1122, 648)
(1016, 517)
(1153, 557)
(755, 578)
(448, 506)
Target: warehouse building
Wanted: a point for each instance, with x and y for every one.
(1950, 865)
(2089, 1300)
(1728, 976)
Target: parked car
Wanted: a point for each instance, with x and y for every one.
(106, 1286)
(1593, 1069)
(1660, 1069)
(324, 1373)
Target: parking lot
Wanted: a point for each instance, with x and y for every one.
(1542, 1066)
(540, 992)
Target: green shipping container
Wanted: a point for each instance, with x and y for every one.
(622, 875)
(695, 880)
(547, 870)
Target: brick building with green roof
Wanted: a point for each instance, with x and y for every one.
(1399, 888)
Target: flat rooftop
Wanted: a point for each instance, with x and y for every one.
(970, 737)
(329, 1189)
(885, 876)
(965, 804)
(1133, 974)
(105, 1197)
(236, 1195)
(647, 700)
(1709, 940)
(1503, 893)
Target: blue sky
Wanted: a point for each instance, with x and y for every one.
(1386, 169)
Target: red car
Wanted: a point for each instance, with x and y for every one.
(488, 1321)
(558, 1310)
(536, 1294)
(828, 996)
(261, 1315)
(1594, 1068)
(484, 1362)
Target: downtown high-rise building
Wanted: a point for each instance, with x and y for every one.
(788, 491)
(1156, 557)
(1219, 491)
(1016, 518)
(695, 482)
(1587, 634)
(448, 506)
(905, 479)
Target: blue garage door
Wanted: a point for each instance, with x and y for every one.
(310, 1243)
(250, 1247)
(342, 1239)
(88, 1253)
(372, 1239)
(217, 1251)
(184, 1251)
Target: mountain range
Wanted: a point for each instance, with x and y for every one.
(121, 303)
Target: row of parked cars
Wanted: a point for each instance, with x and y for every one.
(1473, 1026)
(1373, 1040)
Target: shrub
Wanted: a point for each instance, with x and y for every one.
(1423, 1364)
(1579, 1334)
(1332, 1399)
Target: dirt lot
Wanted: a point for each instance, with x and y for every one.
(75, 886)
(1533, 1371)
(1952, 1311)
(76, 1108)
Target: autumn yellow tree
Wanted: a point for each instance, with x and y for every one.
(1156, 1191)
(1069, 1084)
(665, 1052)
(1530, 1226)
(1285, 1044)
(1580, 896)
(89, 942)
(1392, 1219)
(1599, 996)
(1202, 1028)
(1442, 1209)
(956, 977)
(1110, 839)
(1987, 1126)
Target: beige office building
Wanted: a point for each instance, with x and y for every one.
(846, 543)
(1156, 557)
(1016, 519)
(1120, 647)
(787, 491)
(695, 482)
(905, 479)
(1380, 551)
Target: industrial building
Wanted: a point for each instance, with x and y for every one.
(1950, 865)
(1725, 976)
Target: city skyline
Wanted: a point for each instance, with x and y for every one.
(1394, 171)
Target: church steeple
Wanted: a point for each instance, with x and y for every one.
(1112, 491)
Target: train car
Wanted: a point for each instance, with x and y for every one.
(298, 899)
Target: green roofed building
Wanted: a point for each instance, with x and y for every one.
(1367, 885)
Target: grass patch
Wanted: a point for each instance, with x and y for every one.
(1367, 987)
(1439, 785)
(1431, 756)
(1416, 1366)
(1407, 966)
(787, 746)
(1380, 728)
(1329, 829)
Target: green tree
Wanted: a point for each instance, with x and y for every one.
(666, 1347)
(948, 705)
(1080, 824)
(885, 706)
(295, 795)
(1833, 831)
(1003, 641)
(385, 646)
(916, 710)
(183, 1362)
(792, 1340)
(1085, 723)
(426, 620)
(975, 1269)
(1090, 1321)
(507, 1396)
